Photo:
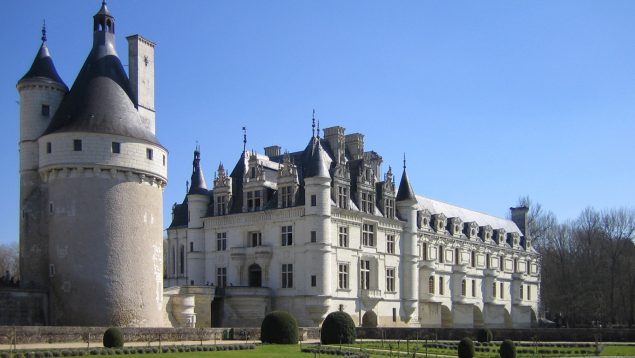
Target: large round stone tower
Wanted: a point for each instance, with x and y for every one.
(105, 171)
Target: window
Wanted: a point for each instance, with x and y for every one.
(221, 241)
(182, 260)
(463, 288)
(116, 147)
(473, 259)
(49, 147)
(367, 203)
(502, 289)
(368, 235)
(528, 293)
(441, 288)
(342, 276)
(163, 159)
(521, 292)
(343, 236)
(488, 259)
(77, 145)
(51, 209)
(431, 285)
(46, 110)
(364, 274)
(221, 205)
(255, 239)
(494, 290)
(287, 275)
(390, 279)
(342, 197)
(389, 208)
(286, 196)
(287, 235)
(149, 153)
(424, 251)
(313, 200)
(173, 260)
(191, 246)
(313, 236)
(394, 314)
(501, 263)
(441, 258)
(473, 288)
(313, 280)
(254, 199)
(457, 256)
(515, 265)
(390, 244)
(253, 173)
(221, 276)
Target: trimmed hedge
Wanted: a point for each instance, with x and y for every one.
(507, 349)
(113, 338)
(466, 348)
(338, 327)
(279, 327)
(484, 335)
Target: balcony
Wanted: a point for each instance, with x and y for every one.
(370, 297)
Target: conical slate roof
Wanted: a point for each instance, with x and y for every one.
(101, 99)
(198, 185)
(405, 191)
(317, 161)
(43, 67)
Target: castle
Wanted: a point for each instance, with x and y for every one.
(310, 232)
(325, 229)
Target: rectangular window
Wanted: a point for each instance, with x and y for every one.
(502, 289)
(342, 197)
(463, 288)
(394, 314)
(364, 271)
(313, 280)
(515, 265)
(368, 235)
(286, 197)
(431, 285)
(313, 200)
(116, 147)
(343, 236)
(441, 251)
(522, 296)
(457, 256)
(46, 110)
(501, 263)
(149, 153)
(488, 259)
(390, 279)
(313, 236)
(342, 276)
(221, 241)
(49, 147)
(255, 239)
(528, 293)
(367, 204)
(473, 259)
(424, 251)
(51, 207)
(77, 145)
(441, 285)
(163, 159)
(191, 246)
(221, 205)
(390, 244)
(494, 290)
(254, 200)
(221, 276)
(287, 235)
(287, 275)
(473, 288)
(389, 208)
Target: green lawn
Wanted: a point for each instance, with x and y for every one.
(269, 350)
(619, 351)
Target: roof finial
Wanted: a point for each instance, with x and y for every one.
(187, 186)
(244, 139)
(404, 161)
(103, 3)
(43, 30)
(313, 125)
(318, 129)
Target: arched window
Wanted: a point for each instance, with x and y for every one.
(431, 285)
(463, 288)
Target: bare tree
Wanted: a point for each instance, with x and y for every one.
(9, 260)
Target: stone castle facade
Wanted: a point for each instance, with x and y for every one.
(325, 229)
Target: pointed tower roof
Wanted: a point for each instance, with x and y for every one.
(405, 191)
(316, 160)
(198, 185)
(43, 67)
(101, 99)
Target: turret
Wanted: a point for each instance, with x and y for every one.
(407, 210)
(41, 91)
(197, 202)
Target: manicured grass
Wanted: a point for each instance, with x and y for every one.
(618, 351)
(269, 350)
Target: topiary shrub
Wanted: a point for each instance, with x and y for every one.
(279, 327)
(484, 335)
(466, 348)
(338, 327)
(113, 338)
(507, 349)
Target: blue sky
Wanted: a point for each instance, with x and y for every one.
(490, 100)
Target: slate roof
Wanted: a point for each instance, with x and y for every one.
(43, 67)
(405, 191)
(197, 184)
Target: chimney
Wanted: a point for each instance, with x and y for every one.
(272, 151)
(335, 137)
(141, 73)
(355, 145)
(521, 219)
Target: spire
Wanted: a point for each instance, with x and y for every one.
(198, 180)
(104, 29)
(43, 31)
(244, 139)
(405, 191)
(313, 125)
(42, 66)
(317, 162)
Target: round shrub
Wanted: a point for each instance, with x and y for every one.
(466, 348)
(113, 338)
(484, 335)
(279, 327)
(507, 349)
(338, 327)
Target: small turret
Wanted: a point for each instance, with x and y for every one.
(198, 185)
(197, 195)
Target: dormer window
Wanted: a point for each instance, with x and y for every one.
(254, 200)
(342, 197)
(423, 218)
(221, 205)
(286, 196)
(439, 222)
(366, 202)
(253, 173)
(389, 208)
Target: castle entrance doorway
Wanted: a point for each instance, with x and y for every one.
(255, 276)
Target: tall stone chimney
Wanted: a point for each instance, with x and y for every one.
(141, 73)
(335, 137)
(272, 151)
(521, 219)
(355, 145)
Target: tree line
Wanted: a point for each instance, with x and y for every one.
(587, 265)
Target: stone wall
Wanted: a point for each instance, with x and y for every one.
(22, 307)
